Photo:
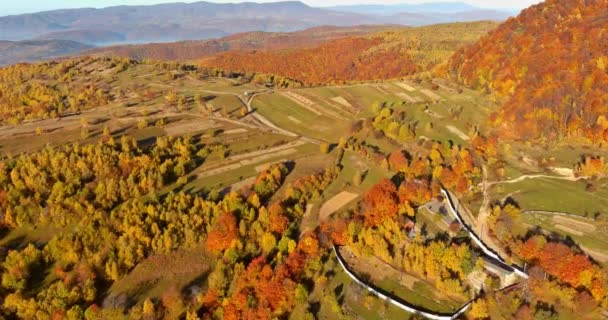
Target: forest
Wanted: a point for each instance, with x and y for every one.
(548, 65)
(227, 189)
(112, 192)
(377, 56)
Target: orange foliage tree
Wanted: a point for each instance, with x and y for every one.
(223, 233)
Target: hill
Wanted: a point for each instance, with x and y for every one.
(86, 36)
(190, 50)
(550, 66)
(382, 55)
(173, 21)
(441, 7)
(35, 50)
(428, 13)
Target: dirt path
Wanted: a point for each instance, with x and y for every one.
(484, 212)
(535, 176)
(307, 219)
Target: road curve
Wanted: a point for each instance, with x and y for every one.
(419, 311)
(486, 250)
(395, 300)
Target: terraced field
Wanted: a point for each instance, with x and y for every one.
(326, 113)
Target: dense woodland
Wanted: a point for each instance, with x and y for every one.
(49, 90)
(550, 66)
(381, 56)
(333, 62)
(381, 226)
(107, 199)
(115, 203)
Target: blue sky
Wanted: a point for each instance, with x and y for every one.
(8, 7)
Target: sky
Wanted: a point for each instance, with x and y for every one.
(8, 7)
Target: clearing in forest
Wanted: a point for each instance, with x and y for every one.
(336, 203)
(159, 272)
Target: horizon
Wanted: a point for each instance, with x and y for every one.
(35, 6)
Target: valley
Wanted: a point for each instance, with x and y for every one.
(339, 172)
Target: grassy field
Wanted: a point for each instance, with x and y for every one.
(228, 105)
(286, 113)
(435, 118)
(556, 195)
(423, 295)
(586, 232)
(225, 179)
(351, 163)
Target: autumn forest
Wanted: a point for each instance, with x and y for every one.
(447, 171)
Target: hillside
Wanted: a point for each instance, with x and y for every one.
(190, 50)
(173, 21)
(35, 50)
(550, 65)
(147, 190)
(382, 55)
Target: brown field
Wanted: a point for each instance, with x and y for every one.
(336, 203)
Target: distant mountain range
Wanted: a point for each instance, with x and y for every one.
(201, 21)
(427, 13)
(171, 22)
(197, 49)
(434, 7)
(34, 50)
(205, 20)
